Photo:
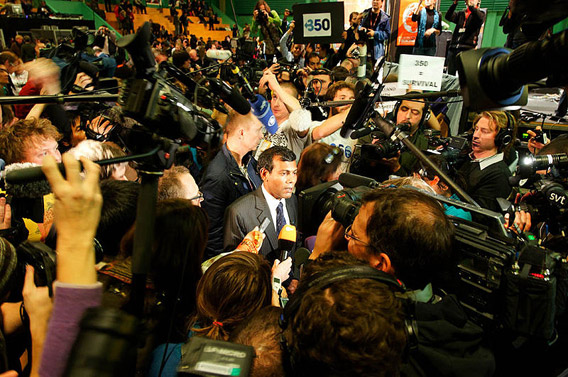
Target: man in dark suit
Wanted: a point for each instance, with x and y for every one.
(273, 200)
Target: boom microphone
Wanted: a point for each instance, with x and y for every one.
(286, 241)
(358, 109)
(219, 54)
(361, 132)
(354, 180)
(230, 95)
(19, 184)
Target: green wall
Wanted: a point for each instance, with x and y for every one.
(75, 7)
(493, 35)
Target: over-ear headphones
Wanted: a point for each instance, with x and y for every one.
(324, 279)
(425, 112)
(505, 135)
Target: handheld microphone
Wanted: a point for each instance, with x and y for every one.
(230, 95)
(286, 241)
(219, 54)
(301, 256)
(261, 109)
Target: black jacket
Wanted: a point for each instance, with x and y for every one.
(222, 184)
(465, 39)
(486, 185)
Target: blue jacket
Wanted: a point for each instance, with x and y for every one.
(382, 32)
(222, 184)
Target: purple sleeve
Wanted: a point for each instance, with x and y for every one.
(71, 301)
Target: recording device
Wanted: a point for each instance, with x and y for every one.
(153, 101)
(42, 258)
(264, 225)
(529, 165)
(505, 286)
(262, 17)
(492, 78)
(219, 54)
(301, 256)
(343, 202)
(206, 357)
(259, 105)
(287, 241)
(106, 344)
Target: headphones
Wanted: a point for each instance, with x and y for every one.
(505, 135)
(324, 279)
(425, 111)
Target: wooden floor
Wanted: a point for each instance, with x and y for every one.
(162, 17)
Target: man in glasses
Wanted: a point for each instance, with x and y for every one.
(405, 233)
(177, 182)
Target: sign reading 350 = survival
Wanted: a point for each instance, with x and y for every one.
(317, 25)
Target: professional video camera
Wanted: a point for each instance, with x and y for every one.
(453, 149)
(504, 284)
(156, 103)
(72, 58)
(341, 197)
(547, 196)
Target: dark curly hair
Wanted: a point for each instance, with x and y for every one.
(412, 229)
(351, 328)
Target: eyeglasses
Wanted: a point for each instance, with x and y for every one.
(199, 196)
(349, 235)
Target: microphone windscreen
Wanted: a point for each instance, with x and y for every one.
(26, 180)
(262, 110)
(218, 54)
(286, 241)
(301, 256)
(357, 110)
(288, 233)
(355, 180)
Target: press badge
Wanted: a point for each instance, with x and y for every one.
(461, 30)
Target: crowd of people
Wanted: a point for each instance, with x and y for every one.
(377, 294)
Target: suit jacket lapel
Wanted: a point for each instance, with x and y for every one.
(263, 211)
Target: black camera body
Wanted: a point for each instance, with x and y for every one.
(262, 17)
(505, 286)
(314, 204)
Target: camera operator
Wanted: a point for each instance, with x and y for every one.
(405, 233)
(486, 173)
(410, 117)
(351, 35)
(269, 24)
(106, 40)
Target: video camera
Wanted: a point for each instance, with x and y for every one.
(156, 103)
(342, 198)
(547, 196)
